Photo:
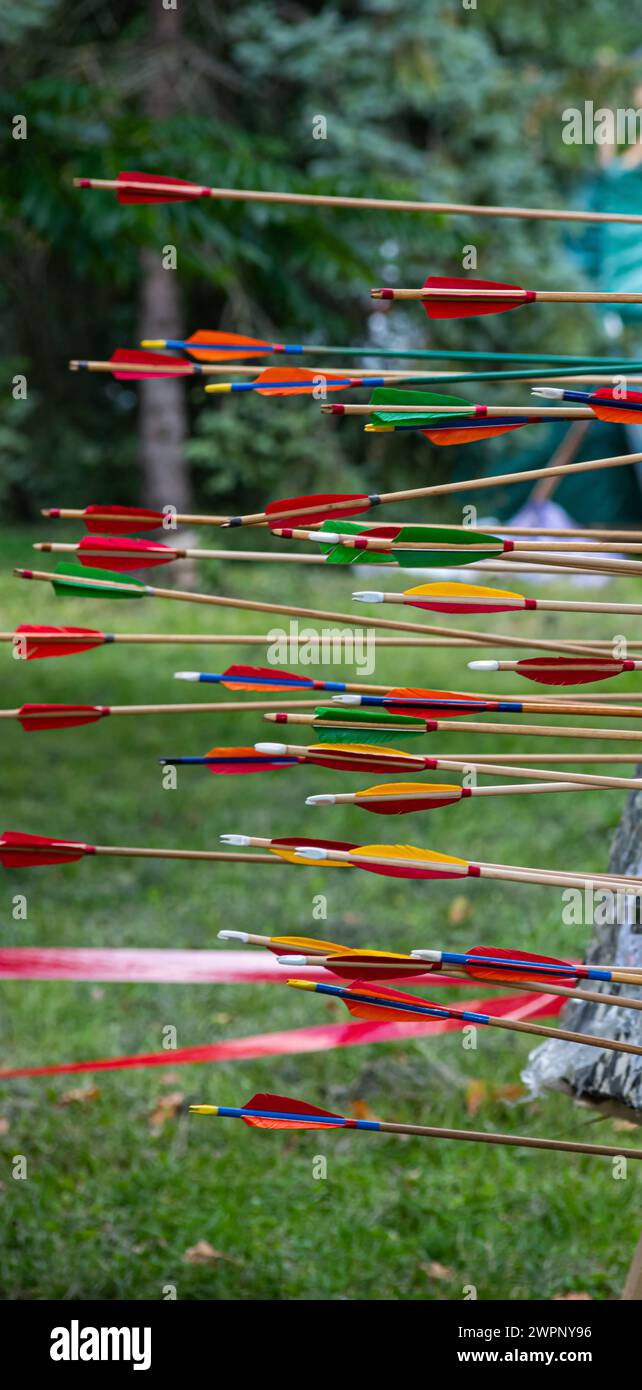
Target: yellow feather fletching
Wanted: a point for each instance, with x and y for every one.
(397, 789)
(461, 591)
(407, 853)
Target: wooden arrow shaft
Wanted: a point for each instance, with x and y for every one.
(345, 201)
(428, 292)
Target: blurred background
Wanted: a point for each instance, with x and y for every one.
(125, 1196)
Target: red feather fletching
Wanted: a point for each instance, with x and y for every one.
(32, 639)
(562, 670)
(120, 521)
(618, 411)
(21, 851)
(309, 1113)
(138, 366)
(93, 551)
(352, 504)
(262, 678)
(463, 308)
(486, 972)
(36, 717)
(165, 190)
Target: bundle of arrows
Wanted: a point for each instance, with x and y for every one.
(539, 974)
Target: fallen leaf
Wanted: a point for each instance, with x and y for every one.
(460, 910)
(572, 1298)
(624, 1125)
(79, 1096)
(165, 1109)
(203, 1253)
(476, 1093)
(436, 1271)
(4, 1124)
(361, 1110)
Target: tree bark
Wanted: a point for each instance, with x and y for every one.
(163, 420)
(611, 1080)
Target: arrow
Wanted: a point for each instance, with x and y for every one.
(36, 717)
(374, 1003)
(561, 670)
(129, 553)
(491, 962)
(394, 408)
(453, 297)
(127, 365)
(20, 851)
(363, 757)
(472, 598)
(407, 861)
(275, 381)
(452, 703)
(268, 1111)
(72, 578)
(442, 545)
(400, 798)
(116, 520)
(217, 345)
(133, 186)
(326, 506)
(396, 725)
(267, 678)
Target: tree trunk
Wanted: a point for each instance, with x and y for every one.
(163, 422)
(611, 1080)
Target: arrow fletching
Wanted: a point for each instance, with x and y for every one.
(569, 670)
(296, 381)
(164, 190)
(34, 642)
(145, 366)
(375, 1004)
(391, 799)
(284, 1113)
(358, 757)
(123, 555)
(70, 578)
(349, 964)
(617, 411)
(19, 851)
(37, 717)
(351, 503)
(440, 428)
(285, 847)
(410, 861)
(401, 725)
(244, 760)
(464, 308)
(263, 678)
(118, 521)
(465, 598)
(454, 705)
(518, 965)
(212, 345)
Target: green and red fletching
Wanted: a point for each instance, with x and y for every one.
(68, 578)
(458, 428)
(464, 308)
(23, 851)
(570, 670)
(37, 717)
(34, 642)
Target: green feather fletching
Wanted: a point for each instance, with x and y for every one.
(74, 579)
(403, 725)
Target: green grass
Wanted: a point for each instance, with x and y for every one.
(110, 1206)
